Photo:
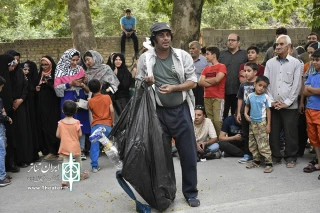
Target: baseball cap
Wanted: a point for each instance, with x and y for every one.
(128, 10)
(158, 26)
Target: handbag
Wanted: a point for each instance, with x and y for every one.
(81, 103)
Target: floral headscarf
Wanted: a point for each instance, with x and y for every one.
(102, 72)
(65, 73)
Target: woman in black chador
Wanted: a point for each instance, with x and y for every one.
(22, 134)
(31, 72)
(48, 109)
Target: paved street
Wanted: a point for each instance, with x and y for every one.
(224, 186)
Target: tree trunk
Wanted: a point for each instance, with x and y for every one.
(315, 17)
(81, 25)
(185, 22)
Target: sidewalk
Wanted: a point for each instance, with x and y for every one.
(224, 186)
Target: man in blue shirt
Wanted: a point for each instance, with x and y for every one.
(128, 27)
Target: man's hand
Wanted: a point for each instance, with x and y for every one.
(301, 108)
(166, 88)
(239, 117)
(4, 112)
(37, 88)
(280, 105)
(200, 147)
(149, 80)
(237, 137)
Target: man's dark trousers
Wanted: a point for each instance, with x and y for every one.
(177, 123)
(123, 42)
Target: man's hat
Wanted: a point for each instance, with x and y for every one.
(159, 26)
(128, 10)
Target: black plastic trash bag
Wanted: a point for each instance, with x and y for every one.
(146, 156)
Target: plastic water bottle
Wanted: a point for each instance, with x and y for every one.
(108, 147)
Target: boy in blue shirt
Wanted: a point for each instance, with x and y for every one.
(259, 124)
(4, 180)
(312, 91)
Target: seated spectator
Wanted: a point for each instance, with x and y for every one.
(206, 136)
(128, 27)
(230, 138)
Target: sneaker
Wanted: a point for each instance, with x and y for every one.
(95, 169)
(50, 157)
(212, 155)
(252, 165)
(83, 156)
(193, 202)
(5, 182)
(246, 158)
(268, 169)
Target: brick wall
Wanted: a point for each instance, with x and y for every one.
(35, 48)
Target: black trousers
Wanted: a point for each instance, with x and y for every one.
(232, 148)
(286, 119)
(177, 123)
(198, 94)
(245, 135)
(123, 42)
(230, 101)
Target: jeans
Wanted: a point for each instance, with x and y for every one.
(2, 152)
(214, 147)
(95, 146)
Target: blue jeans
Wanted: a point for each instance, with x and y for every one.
(95, 146)
(2, 152)
(214, 147)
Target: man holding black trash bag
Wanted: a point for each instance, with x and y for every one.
(171, 74)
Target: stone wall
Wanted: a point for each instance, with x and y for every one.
(35, 48)
(262, 38)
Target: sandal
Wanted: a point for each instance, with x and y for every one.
(291, 164)
(252, 165)
(310, 168)
(84, 175)
(314, 161)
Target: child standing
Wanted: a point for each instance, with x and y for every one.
(69, 131)
(213, 79)
(260, 124)
(247, 87)
(102, 116)
(312, 91)
(4, 180)
(253, 54)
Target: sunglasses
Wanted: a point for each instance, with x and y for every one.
(199, 107)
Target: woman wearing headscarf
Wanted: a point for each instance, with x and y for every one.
(69, 84)
(30, 70)
(102, 72)
(48, 111)
(24, 152)
(8, 64)
(110, 61)
(122, 96)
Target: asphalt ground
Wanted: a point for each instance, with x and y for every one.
(224, 186)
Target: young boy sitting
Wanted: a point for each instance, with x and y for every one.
(4, 180)
(102, 115)
(213, 79)
(253, 54)
(247, 87)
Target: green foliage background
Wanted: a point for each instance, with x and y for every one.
(24, 19)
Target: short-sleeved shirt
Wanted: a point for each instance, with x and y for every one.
(231, 127)
(200, 64)
(218, 90)
(165, 73)
(258, 105)
(233, 62)
(204, 131)
(100, 108)
(260, 70)
(69, 134)
(244, 90)
(128, 23)
(313, 101)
